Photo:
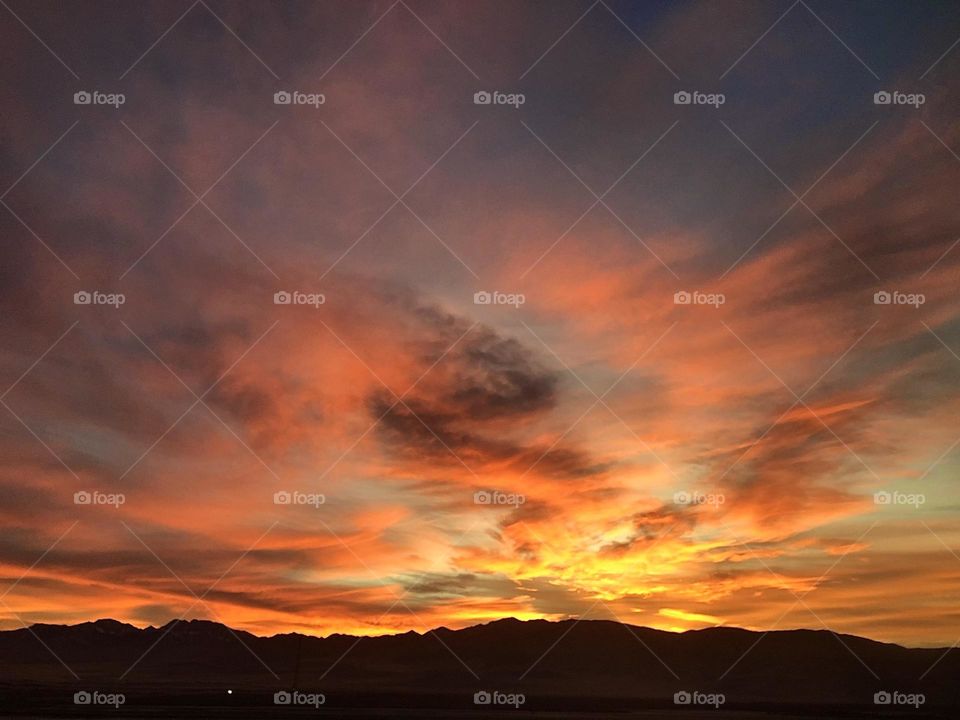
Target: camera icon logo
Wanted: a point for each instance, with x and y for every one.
(82, 98)
(282, 697)
(882, 498)
(682, 698)
(482, 497)
(283, 497)
(82, 297)
(282, 298)
(482, 697)
(882, 297)
(482, 298)
(682, 97)
(882, 698)
(282, 97)
(482, 97)
(82, 698)
(882, 98)
(82, 497)
(682, 498)
(682, 297)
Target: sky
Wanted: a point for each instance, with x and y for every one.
(684, 404)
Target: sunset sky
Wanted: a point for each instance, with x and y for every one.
(600, 400)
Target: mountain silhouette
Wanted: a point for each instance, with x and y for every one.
(568, 666)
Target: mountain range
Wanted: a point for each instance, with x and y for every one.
(570, 666)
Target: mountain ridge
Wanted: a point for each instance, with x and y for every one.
(499, 622)
(554, 664)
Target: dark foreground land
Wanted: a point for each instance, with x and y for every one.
(406, 714)
(155, 707)
(536, 669)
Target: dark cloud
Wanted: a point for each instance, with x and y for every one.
(477, 397)
(664, 524)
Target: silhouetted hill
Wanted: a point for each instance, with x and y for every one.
(567, 665)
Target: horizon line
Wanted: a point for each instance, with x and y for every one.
(141, 628)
